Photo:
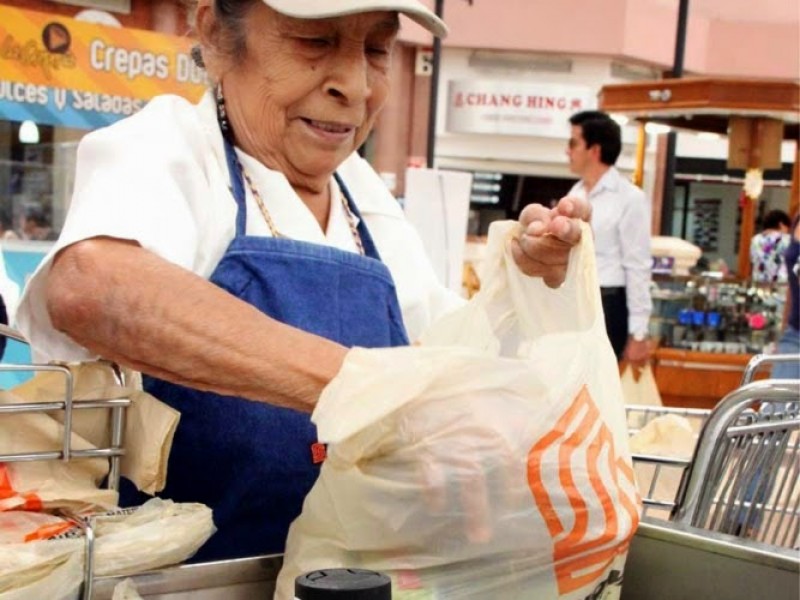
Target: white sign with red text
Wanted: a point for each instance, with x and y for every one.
(514, 108)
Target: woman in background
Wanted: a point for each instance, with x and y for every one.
(790, 340)
(767, 249)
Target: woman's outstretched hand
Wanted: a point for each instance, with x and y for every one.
(548, 235)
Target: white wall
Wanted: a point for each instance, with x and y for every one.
(546, 156)
(543, 156)
(694, 145)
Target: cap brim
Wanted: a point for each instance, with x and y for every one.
(322, 9)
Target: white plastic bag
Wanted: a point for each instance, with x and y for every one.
(18, 526)
(46, 569)
(157, 534)
(126, 590)
(149, 424)
(491, 461)
(643, 392)
(75, 485)
(50, 484)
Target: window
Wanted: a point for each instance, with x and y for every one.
(36, 181)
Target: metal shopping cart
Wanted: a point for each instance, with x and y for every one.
(730, 527)
(743, 477)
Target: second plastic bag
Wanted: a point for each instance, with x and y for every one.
(39, 570)
(641, 392)
(491, 461)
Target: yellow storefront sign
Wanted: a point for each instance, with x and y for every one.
(60, 71)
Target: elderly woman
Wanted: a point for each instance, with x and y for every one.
(234, 250)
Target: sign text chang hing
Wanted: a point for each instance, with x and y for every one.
(514, 108)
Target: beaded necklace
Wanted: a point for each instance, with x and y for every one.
(227, 132)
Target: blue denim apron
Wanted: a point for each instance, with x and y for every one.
(251, 462)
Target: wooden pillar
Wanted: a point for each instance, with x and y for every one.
(658, 188)
(753, 144)
(746, 233)
(641, 146)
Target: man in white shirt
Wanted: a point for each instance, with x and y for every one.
(621, 225)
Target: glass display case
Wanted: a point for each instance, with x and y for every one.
(708, 327)
(716, 314)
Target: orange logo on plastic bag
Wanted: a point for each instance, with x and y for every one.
(31, 502)
(579, 559)
(49, 531)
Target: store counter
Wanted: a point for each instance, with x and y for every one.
(691, 379)
(706, 564)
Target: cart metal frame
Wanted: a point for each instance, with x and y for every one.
(743, 476)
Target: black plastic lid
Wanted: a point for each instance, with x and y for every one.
(343, 584)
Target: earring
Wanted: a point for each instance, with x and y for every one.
(222, 115)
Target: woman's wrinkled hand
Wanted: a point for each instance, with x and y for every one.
(468, 468)
(548, 235)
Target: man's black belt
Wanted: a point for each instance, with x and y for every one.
(612, 291)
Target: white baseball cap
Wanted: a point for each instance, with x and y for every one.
(321, 9)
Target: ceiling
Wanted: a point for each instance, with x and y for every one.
(761, 11)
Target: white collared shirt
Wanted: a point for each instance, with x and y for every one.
(621, 226)
(160, 178)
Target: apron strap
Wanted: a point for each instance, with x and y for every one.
(366, 239)
(237, 187)
(239, 194)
